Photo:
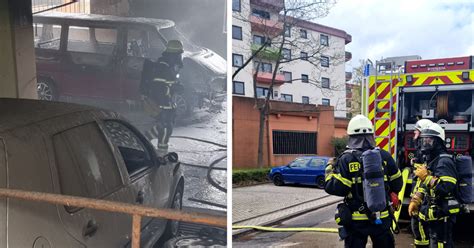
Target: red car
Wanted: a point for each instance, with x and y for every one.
(98, 59)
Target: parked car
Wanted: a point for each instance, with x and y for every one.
(303, 170)
(77, 150)
(98, 59)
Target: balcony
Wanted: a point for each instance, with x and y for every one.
(268, 53)
(265, 26)
(275, 5)
(348, 56)
(348, 76)
(266, 78)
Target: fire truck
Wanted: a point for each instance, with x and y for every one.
(441, 90)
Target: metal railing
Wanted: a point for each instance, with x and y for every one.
(136, 211)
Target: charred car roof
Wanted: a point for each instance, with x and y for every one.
(72, 17)
(22, 112)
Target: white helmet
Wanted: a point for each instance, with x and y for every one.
(433, 130)
(422, 124)
(360, 124)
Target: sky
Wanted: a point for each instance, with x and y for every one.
(380, 29)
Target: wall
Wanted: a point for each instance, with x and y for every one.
(283, 116)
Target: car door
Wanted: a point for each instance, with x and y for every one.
(149, 182)
(296, 170)
(91, 67)
(141, 43)
(86, 166)
(315, 168)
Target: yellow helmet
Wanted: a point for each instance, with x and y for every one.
(174, 46)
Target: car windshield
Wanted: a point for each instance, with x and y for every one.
(173, 33)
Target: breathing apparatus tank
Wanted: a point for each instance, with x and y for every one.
(465, 187)
(373, 183)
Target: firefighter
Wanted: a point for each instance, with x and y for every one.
(159, 83)
(344, 179)
(436, 204)
(419, 227)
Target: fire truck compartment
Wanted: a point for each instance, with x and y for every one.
(448, 105)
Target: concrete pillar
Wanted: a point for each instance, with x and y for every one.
(17, 53)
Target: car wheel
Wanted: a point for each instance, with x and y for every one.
(278, 180)
(182, 107)
(46, 90)
(320, 182)
(172, 228)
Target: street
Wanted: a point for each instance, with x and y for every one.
(323, 217)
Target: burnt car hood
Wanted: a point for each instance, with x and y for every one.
(209, 60)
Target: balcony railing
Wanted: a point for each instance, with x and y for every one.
(268, 53)
(348, 76)
(348, 56)
(266, 78)
(275, 5)
(265, 26)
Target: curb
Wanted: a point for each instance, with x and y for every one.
(241, 232)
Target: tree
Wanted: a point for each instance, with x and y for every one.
(272, 41)
(358, 78)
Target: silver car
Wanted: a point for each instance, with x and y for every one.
(77, 150)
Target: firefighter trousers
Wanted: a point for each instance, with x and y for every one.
(441, 232)
(359, 231)
(420, 232)
(163, 129)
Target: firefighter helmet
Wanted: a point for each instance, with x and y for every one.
(433, 130)
(422, 124)
(360, 124)
(174, 46)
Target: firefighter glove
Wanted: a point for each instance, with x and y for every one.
(415, 203)
(421, 172)
(394, 199)
(329, 170)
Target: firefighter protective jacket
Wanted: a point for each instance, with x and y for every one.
(346, 180)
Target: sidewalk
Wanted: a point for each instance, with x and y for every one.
(265, 204)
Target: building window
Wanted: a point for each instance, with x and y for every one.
(324, 61)
(286, 54)
(326, 102)
(324, 40)
(294, 142)
(264, 67)
(287, 31)
(303, 56)
(262, 92)
(303, 34)
(287, 97)
(325, 83)
(304, 78)
(288, 76)
(236, 5)
(261, 13)
(236, 32)
(348, 103)
(305, 100)
(237, 60)
(260, 40)
(348, 115)
(238, 88)
(348, 90)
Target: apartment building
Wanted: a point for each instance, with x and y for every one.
(313, 58)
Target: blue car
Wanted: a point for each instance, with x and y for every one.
(303, 170)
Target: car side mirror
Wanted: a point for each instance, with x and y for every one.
(172, 157)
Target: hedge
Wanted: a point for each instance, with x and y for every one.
(248, 176)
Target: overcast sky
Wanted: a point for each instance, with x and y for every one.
(429, 28)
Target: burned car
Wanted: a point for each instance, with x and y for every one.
(98, 60)
(77, 150)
